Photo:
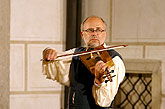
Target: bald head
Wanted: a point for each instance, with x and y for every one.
(92, 18)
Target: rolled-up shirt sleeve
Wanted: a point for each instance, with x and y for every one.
(104, 93)
(59, 69)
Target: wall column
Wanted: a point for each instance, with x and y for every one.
(4, 53)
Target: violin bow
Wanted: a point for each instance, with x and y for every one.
(87, 52)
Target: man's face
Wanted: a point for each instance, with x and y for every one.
(94, 33)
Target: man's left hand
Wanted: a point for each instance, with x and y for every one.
(99, 71)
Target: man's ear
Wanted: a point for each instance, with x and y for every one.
(81, 34)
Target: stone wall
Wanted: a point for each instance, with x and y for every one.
(35, 25)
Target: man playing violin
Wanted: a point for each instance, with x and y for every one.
(87, 90)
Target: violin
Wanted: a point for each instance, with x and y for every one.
(90, 59)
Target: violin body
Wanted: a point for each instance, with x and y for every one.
(89, 60)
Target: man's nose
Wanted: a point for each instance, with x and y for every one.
(94, 32)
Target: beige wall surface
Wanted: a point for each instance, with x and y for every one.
(35, 101)
(35, 25)
(138, 21)
(35, 20)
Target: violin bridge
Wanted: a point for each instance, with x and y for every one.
(99, 54)
(91, 55)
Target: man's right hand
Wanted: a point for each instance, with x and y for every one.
(49, 54)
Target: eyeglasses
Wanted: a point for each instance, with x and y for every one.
(98, 31)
